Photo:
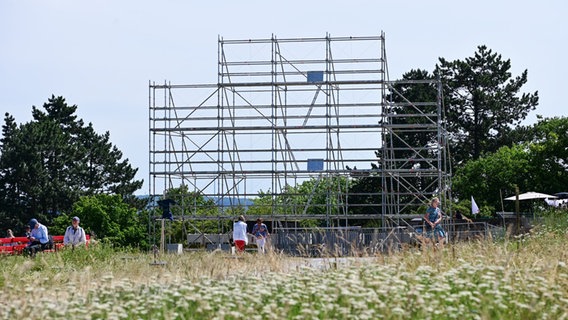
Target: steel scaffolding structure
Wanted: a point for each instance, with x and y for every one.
(293, 124)
(415, 152)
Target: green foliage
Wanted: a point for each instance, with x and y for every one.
(60, 224)
(191, 206)
(108, 217)
(190, 203)
(482, 102)
(316, 196)
(464, 207)
(554, 220)
(404, 96)
(48, 163)
(549, 138)
(537, 164)
(262, 205)
(365, 193)
(494, 175)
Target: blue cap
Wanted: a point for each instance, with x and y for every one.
(76, 219)
(33, 222)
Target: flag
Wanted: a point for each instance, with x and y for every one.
(474, 207)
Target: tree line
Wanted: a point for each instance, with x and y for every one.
(56, 165)
(491, 152)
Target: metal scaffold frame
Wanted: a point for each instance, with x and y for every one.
(285, 113)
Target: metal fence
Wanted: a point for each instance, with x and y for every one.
(353, 241)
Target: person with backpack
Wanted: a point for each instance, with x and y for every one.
(74, 234)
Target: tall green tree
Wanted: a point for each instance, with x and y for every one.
(12, 177)
(494, 175)
(549, 150)
(50, 162)
(539, 163)
(483, 102)
(109, 218)
(413, 101)
(483, 106)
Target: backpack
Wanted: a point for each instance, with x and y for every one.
(49, 245)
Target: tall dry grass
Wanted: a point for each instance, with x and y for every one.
(517, 278)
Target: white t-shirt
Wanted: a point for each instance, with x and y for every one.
(240, 231)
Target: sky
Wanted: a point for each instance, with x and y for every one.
(101, 55)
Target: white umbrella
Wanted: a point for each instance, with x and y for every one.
(531, 195)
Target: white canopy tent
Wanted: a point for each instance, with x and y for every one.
(531, 196)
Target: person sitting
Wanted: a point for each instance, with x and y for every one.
(10, 235)
(28, 231)
(74, 234)
(39, 238)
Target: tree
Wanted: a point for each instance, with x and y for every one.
(50, 162)
(413, 103)
(493, 175)
(549, 154)
(539, 162)
(186, 208)
(483, 102)
(364, 196)
(102, 171)
(11, 178)
(483, 105)
(410, 144)
(315, 196)
(109, 218)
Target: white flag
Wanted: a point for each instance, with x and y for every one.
(474, 207)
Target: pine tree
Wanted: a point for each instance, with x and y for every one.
(47, 164)
(483, 102)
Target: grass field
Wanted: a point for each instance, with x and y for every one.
(520, 278)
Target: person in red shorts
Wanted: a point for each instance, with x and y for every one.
(240, 234)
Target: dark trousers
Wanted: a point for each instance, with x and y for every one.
(34, 247)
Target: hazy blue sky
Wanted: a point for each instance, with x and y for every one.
(100, 55)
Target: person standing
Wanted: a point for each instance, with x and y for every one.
(260, 231)
(39, 238)
(433, 219)
(240, 234)
(74, 234)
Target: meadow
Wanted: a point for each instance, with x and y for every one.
(522, 277)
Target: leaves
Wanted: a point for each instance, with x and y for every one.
(537, 163)
(47, 164)
(109, 217)
(483, 102)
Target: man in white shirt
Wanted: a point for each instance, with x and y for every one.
(240, 234)
(74, 235)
